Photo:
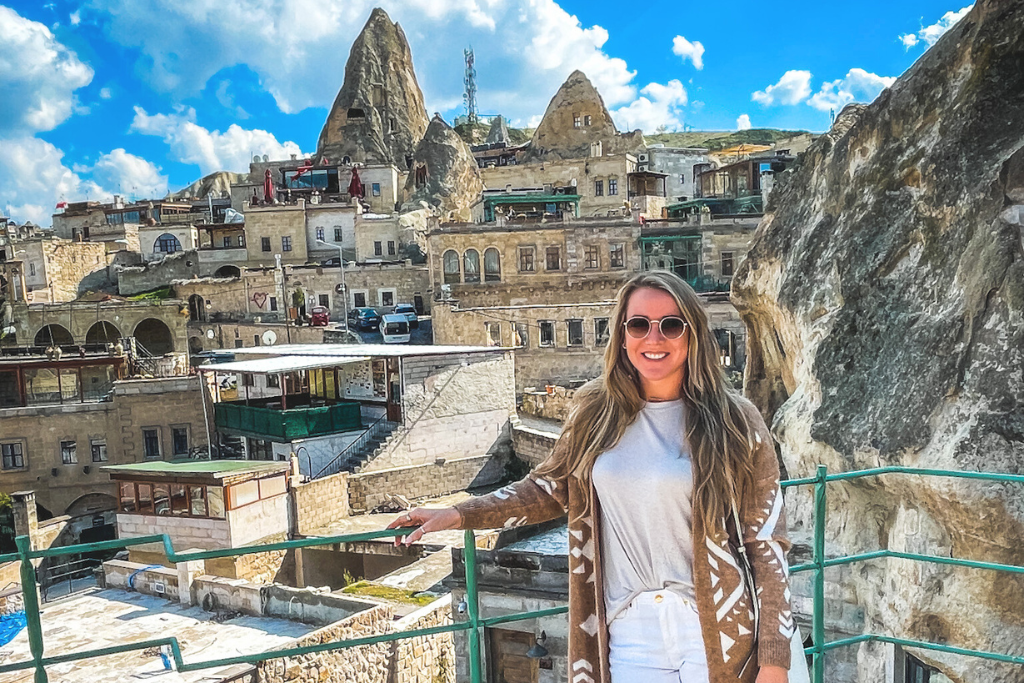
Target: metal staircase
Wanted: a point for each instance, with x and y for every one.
(371, 443)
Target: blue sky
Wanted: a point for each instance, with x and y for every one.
(144, 96)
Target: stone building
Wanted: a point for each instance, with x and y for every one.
(680, 166)
(53, 270)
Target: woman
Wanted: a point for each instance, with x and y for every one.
(651, 463)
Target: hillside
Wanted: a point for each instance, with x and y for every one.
(476, 134)
(715, 140)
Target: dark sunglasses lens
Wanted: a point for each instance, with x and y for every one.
(672, 328)
(638, 327)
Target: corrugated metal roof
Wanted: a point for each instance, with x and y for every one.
(282, 363)
(372, 350)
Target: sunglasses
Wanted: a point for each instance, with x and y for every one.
(671, 327)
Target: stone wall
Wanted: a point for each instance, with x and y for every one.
(248, 335)
(531, 445)
(185, 532)
(319, 502)
(132, 576)
(427, 659)
(183, 265)
(550, 406)
(55, 268)
(406, 280)
(367, 490)
(276, 223)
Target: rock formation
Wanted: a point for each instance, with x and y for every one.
(378, 115)
(884, 299)
(444, 174)
(575, 119)
(498, 132)
(215, 184)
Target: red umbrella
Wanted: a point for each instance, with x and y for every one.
(355, 188)
(268, 186)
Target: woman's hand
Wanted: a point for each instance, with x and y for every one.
(427, 519)
(772, 674)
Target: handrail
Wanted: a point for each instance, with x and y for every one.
(375, 429)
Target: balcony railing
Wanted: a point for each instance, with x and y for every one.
(474, 624)
(286, 425)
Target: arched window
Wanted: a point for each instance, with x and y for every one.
(451, 267)
(167, 244)
(492, 265)
(471, 265)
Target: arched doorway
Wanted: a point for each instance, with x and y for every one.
(102, 333)
(195, 345)
(196, 308)
(154, 336)
(228, 271)
(54, 335)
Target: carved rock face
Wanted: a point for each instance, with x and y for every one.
(378, 115)
(444, 175)
(884, 297)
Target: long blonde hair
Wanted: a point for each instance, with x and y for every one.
(717, 430)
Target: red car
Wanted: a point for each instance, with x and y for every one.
(320, 316)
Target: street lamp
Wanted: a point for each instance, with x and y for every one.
(344, 291)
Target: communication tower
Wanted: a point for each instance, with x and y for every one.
(469, 98)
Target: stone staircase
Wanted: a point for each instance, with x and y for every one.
(372, 442)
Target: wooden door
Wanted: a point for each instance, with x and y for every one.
(506, 657)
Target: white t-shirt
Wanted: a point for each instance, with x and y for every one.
(645, 486)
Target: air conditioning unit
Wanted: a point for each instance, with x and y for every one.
(643, 158)
(643, 168)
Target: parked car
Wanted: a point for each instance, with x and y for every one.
(409, 311)
(366, 319)
(394, 327)
(319, 316)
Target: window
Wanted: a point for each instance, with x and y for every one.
(526, 259)
(575, 332)
(493, 330)
(598, 188)
(471, 265)
(273, 303)
(273, 381)
(264, 244)
(617, 255)
(320, 234)
(32, 269)
(727, 263)
(522, 334)
(601, 331)
(547, 333)
(378, 248)
(167, 244)
(239, 343)
(387, 297)
(286, 243)
(554, 258)
(613, 186)
(586, 119)
(591, 257)
(227, 241)
(99, 450)
(391, 247)
(179, 440)
(151, 443)
(492, 265)
(375, 189)
(359, 299)
(13, 455)
(255, 340)
(69, 452)
(451, 267)
(916, 671)
(324, 300)
(682, 178)
(337, 234)
(575, 120)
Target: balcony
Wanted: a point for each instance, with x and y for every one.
(273, 424)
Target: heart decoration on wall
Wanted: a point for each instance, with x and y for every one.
(259, 298)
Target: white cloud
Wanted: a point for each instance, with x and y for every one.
(105, 93)
(743, 122)
(858, 86)
(297, 48)
(931, 34)
(658, 107)
(210, 150)
(38, 76)
(129, 174)
(76, 18)
(794, 87)
(693, 51)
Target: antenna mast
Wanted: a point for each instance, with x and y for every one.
(469, 98)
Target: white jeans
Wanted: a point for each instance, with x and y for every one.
(657, 639)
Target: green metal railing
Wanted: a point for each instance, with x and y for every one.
(474, 624)
(820, 563)
(286, 425)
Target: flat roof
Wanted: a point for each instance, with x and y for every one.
(207, 469)
(370, 350)
(277, 364)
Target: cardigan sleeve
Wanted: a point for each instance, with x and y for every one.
(531, 500)
(763, 517)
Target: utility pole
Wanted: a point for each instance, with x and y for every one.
(469, 98)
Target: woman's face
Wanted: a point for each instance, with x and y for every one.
(660, 362)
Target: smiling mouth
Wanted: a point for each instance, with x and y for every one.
(650, 355)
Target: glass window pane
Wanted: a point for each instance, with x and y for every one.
(471, 264)
(145, 498)
(451, 267)
(492, 265)
(9, 394)
(215, 501)
(329, 384)
(97, 381)
(41, 386)
(161, 499)
(69, 389)
(179, 501)
(197, 502)
(127, 496)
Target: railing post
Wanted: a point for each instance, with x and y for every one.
(818, 623)
(30, 595)
(473, 603)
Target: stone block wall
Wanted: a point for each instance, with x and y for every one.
(368, 664)
(216, 593)
(427, 659)
(366, 490)
(185, 532)
(553, 406)
(322, 501)
(531, 445)
(183, 265)
(149, 581)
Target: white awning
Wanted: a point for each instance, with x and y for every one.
(279, 364)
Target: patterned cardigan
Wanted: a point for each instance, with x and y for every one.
(723, 601)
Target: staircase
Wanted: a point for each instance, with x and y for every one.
(371, 443)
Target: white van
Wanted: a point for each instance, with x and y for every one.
(394, 327)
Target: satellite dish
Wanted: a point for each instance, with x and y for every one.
(256, 159)
(210, 334)
(269, 337)
(573, 182)
(265, 158)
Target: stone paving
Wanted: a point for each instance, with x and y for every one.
(111, 617)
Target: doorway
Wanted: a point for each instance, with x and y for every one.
(394, 388)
